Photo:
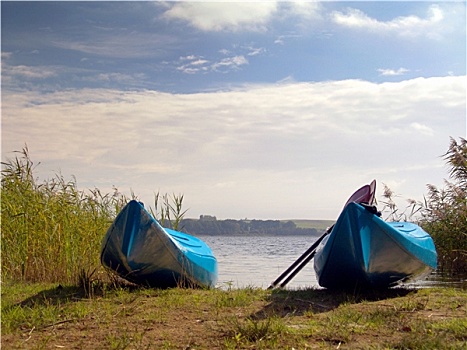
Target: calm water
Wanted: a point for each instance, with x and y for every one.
(258, 260)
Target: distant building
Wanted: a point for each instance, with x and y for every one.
(207, 218)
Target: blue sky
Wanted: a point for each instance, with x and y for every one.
(261, 110)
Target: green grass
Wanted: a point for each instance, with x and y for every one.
(319, 225)
(54, 316)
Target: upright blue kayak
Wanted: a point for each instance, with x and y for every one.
(364, 250)
(141, 251)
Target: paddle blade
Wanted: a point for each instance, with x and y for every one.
(365, 194)
(372, 200)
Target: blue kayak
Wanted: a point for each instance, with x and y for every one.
(141, 251)
(364, 250)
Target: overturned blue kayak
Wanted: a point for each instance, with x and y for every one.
(141, 251)
(364, 250)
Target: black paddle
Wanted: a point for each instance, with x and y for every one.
(365, 194)
(300, 263)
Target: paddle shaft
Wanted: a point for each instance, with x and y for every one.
(303, 257)
(302, 264)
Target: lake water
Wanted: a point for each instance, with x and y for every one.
(256, 261)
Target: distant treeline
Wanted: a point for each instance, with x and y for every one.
(209, 225)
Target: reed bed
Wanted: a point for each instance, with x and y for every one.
(445, 216)
(51, 231)
(443, 213)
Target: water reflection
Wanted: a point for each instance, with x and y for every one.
(438, 279)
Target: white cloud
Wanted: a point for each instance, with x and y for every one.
(193, 64)
(119, 43)
(223, 16)
(230, 63)
(255, 51)
(30, 72)
(422, 129)
(199, 62)
(117, 77)
(188, 58)
(293, 149)
(6, 55)
(304, 9)
(393, 72)
(242, 15)
(410, 26)
(282, 38)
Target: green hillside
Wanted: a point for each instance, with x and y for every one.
(316, 224)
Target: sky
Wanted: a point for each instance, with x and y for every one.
(271, 110)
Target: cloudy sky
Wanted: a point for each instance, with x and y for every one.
(271, 110)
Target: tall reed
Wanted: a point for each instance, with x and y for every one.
(168, 210)
(443, 213)
(50, 231)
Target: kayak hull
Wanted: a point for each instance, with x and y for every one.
(141, 251)
(364, 250)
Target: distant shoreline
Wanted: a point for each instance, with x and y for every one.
(210, 225)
